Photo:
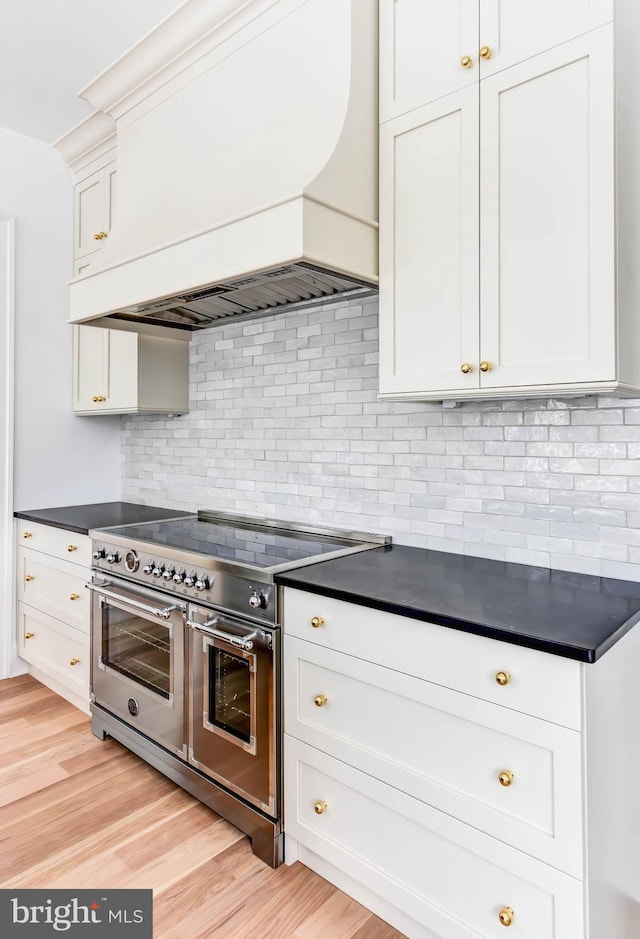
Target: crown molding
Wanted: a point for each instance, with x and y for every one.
(79, 145)
(177, 41)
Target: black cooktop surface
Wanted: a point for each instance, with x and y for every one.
(259, 547)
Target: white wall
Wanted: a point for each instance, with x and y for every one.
(285, 420)
(59, 459)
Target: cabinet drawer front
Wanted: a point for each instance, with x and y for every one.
(56, 648)
(448, 876)
(543, 685)
(445, 748)
(55, 587)
(66, 545)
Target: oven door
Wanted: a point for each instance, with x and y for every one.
(137, 659)
(233, 704)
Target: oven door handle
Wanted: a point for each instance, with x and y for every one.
(245, 644)
(163, 612)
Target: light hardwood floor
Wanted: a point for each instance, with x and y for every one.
(78, 813)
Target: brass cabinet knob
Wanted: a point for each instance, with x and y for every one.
(29, 577)
(97, 398)
(466, 61)
(505, 778)
(317, 621)
(485, 53)
(485, 366)
(506, 915)
(74, 596)
(72, 547)
(101, 235)
(465, 368)
(320, 700)
(319, 807)
(74, 661)
(503, 678)
(27, 534)
(29, 635)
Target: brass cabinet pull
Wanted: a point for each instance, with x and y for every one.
(320, 700)
(27, 534)
(74, 661)
(485, 366)
(505, 778)
(317, 621)
(465, 368)
(320, 807)
(97, 398)
(29, 577)
(506, 915)
(72, 547)
(101, 235)
(29, 635)
(74, 596)
(485, 53)
(503, 678)
(466, 61)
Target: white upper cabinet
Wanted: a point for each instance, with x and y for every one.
(94, 202)
(514, 30)
(498, 203)
(429, 245)
(428, 49)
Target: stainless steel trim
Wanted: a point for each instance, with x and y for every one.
(237, 641)
(164, 612)
(253, 521)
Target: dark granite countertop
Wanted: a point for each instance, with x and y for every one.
(82, 518)
(572, 615)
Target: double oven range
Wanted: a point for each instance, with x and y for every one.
(185, 662)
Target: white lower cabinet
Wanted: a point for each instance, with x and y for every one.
(454, 785)
(54, 608)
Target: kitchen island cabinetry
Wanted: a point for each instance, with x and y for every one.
(501, 199)
(53, 608)
(453, 782)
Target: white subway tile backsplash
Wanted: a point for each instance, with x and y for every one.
(285, 421)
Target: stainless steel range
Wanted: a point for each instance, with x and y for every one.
(185, 625)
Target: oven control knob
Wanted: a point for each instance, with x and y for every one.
(157, 571)
(148, 568)
(113, 558)
(178, 577)
(99, 554)
(202, 583)
(257, 601)
(168, 573)
(190, 579)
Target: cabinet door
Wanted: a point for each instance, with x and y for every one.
(514, 30)
(547, 221)
(89, 214)
(90, 369)
(422, 43)
(429, 247)
(122, 370)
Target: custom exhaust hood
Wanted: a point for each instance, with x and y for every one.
(246, 148)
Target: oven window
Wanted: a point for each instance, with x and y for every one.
(137, 648)
(230, 693)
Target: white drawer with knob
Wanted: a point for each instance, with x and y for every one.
(452, 879)
(55, 587)
(513, 776)
(55, 648)
(57, 542)
(545, 686)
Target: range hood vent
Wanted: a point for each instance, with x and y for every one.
(294, 286)
(246, 151)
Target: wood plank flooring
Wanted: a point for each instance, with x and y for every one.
(78, 813)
